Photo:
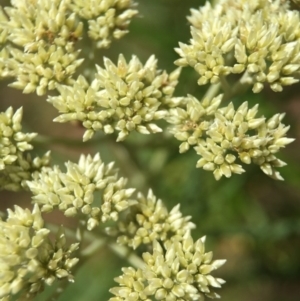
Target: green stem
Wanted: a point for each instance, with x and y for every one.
(212, 91)
(129, 164)
(93, 247)
(127, 254)
(98, 242)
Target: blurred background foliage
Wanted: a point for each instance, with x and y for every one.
(250, 219)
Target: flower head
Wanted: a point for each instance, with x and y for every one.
(191, 119)
(15, 175)
(13, 141)
(4, 53)
(73, 191)
(223, 135)
(259, 39)
(28, 260)
(107, 19)
(150, 220)
(177, 271)
(41, 38)
(123, 97)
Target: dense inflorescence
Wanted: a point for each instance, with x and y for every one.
(15, 176)
(28, 259)
(73, 191)
(258, 39)
(13, 141)
(149, 220)
(39, 38)
(107, 19)
(123, 97)
(221, 135)
(177, 271)
(16, 164)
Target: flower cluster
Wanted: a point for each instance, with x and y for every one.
(107, 19)
(150, 220)
(16, 165)
(3, 32)
(178, 271)
(13, 141)
(4, 71)
(73, 191)
(123, 97)
(15, 176)
(259, 39)
(28, 260)
(221, 135)
(4, 54)
(41, 38)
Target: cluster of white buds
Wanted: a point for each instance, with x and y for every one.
(150, 220)
(16, 164)
(107, 19)
(14, 176)
(177, 271)
(4, 71)
(221, 135)
(28, 260)
(12, 140)
(41, 36)
(191, 119)
(123, 97)
(73, 191)
(259, 39)
(4, 54)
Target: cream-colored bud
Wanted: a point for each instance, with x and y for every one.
(228, 45)
(287, 81)
(88, 134)
(184, 147)
(253, 68)
(281, 142)
(245, 157)
(255, 123)
(257, 87)
(71, 212)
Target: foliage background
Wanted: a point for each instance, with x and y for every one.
(250, 219)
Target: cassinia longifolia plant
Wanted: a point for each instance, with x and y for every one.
(256, 42)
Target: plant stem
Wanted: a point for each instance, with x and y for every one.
(98, 241)
(127, 254)
(212, 91)
(93, 247)
(128, 163)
